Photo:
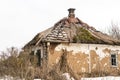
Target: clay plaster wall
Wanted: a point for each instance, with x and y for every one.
(86, 58)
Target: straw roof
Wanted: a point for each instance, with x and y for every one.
(72, 29)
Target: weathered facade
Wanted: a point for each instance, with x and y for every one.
(88, 58)
(87, 50)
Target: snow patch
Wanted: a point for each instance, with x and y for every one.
(10, 78)
(102, 78)
(67, 76)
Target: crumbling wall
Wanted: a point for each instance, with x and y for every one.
(86, 59)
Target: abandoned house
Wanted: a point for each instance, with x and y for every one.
(86, 49)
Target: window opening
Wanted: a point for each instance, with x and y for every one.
(113, 59)
(38, 54)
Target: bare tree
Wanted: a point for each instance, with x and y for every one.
(15, 64)
(114, 30)
(7, 61)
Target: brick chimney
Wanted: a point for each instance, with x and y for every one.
(71, 13)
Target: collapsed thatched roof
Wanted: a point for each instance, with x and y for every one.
(71, 29)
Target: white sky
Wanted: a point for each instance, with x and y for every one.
(21, 20)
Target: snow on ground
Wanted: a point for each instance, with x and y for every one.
(67, 76)
(102, 78)
(10, 78)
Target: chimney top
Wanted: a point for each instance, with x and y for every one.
(71, 12)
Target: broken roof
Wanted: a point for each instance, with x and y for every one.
(72, 29)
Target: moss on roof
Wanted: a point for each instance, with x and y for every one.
(83, 35)
(77, 32)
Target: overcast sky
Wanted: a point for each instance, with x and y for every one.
(21, 20)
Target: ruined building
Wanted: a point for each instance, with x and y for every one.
(86, 49)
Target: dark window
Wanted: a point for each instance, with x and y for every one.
(113, 60)
(38, 54)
